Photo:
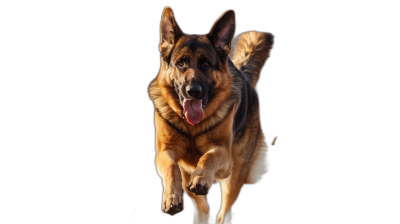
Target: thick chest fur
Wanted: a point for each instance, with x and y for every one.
(189, 148)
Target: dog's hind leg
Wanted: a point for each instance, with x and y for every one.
(230, 190)
(202, 213)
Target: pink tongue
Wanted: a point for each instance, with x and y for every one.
(193, 111)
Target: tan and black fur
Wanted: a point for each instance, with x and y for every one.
(227, 145)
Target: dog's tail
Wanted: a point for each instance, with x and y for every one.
(250, 51)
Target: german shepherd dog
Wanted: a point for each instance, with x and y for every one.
(206, 113)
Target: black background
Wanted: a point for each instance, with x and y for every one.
(110, 55)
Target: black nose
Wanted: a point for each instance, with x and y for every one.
(194, 90)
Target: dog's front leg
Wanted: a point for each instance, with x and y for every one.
(214, 164)
(171, 176)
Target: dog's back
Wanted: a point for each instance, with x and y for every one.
(251, 50)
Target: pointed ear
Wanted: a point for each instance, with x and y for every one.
(169, 30)
(223, 30)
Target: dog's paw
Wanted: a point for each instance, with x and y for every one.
(199, 185)
(172, 203)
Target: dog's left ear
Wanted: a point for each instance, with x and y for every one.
(221, 34)
(169, 29)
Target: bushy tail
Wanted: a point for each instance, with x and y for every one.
(250, 51)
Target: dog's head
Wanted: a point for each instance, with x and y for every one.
(195, 66)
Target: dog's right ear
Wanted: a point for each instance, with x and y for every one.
(169, 30)
(221, 34)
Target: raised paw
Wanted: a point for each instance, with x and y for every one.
(172, 203)
(199, 185)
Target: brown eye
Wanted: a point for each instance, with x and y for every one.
(205, 64)
(180, 63)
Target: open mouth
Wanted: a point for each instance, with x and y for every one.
(192, 106)
(193, 109)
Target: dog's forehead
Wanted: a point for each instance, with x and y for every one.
(198, 45)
